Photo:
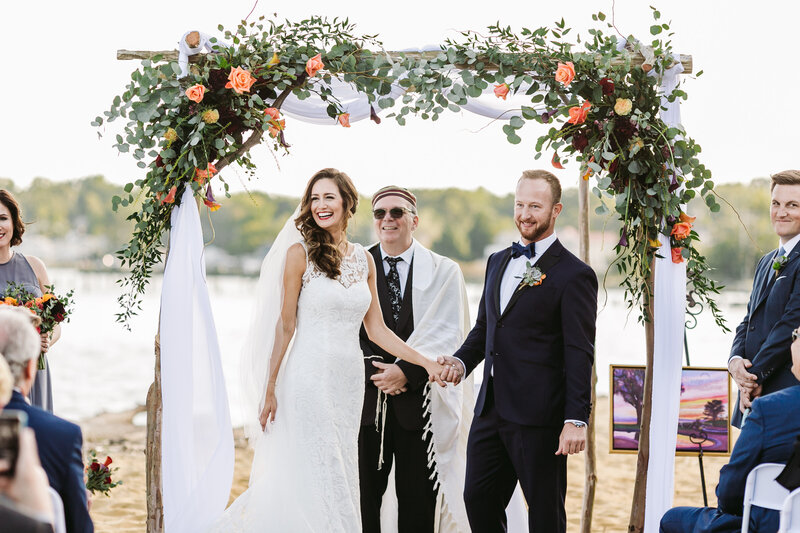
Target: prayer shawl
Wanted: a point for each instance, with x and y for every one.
(441, 323)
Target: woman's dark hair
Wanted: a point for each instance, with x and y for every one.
(322, 250)
(8, 200)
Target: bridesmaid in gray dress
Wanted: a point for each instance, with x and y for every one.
(31, 273)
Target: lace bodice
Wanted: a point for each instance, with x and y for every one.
(354, 268)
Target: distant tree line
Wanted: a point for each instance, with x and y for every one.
(461, 224)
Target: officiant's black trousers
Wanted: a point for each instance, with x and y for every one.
(499, 453)
(416, 498)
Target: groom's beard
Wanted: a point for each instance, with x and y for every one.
(534, 234)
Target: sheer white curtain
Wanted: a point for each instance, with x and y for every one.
(669, 317)
(197, 438)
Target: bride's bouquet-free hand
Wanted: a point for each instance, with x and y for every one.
(49, 307)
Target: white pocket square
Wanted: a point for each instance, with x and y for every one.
(780, 278)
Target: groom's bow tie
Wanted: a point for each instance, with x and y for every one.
(517, 250)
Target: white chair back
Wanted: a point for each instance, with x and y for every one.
(762, 490)
(790, 513)
(60, 524)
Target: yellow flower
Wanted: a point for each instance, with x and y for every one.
(655, 243)
(637, 143)
(170, 135)
(623, 106)
(210, 116)
(274, 61)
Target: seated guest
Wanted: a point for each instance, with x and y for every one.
(25, 505)
(59, 441)
(767, 437)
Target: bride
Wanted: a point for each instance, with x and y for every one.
(304, 476)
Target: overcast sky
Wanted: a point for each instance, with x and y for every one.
(61, 71)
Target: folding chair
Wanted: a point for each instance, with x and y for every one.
(762, 490)
(790, 513)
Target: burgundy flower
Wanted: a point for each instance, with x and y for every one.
(159, 162)
(217, 79)
(613, 166)
(548, 115)
(94, 467)
(624, 129)
(666, 151)
(373, 116)
(673, 184)
(607, 85)
(108, 480)
(580, 141)
(282, 140)
(623, 240)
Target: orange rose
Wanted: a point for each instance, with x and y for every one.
(273, 113)
(686, 218)
(170, 197)
(240, 80)
(314, 65)
(681, 230)
(195, 93)
(200, 176)
(565, 73)
(344, 120)
(501, 91)
(577, 115)
(676, 256)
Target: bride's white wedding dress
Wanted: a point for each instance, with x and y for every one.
(305, 469)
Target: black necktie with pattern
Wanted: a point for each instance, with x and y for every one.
(393, 281)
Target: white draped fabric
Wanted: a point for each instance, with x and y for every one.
(669, 316)
(197, 437)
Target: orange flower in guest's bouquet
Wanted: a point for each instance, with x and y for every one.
(565, 73)
(240, 80)
(686, 218)
(577, 115)
(676, 256)
(501, 91)
(344, 120)
(195, 93)
(201, 176)
(8, 300)
(314, 65)
(681, 230)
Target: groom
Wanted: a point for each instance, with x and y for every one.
(535, 333)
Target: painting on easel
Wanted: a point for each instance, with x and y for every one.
(703, 420)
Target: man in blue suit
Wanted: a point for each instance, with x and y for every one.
(59, 441)
(535, 333)
(760, 360)
(767, 437)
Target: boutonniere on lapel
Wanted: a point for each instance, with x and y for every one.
(533, 276)
(779, 263)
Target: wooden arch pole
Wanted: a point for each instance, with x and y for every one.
(590, 458)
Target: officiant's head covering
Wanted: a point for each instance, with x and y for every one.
(394, 190)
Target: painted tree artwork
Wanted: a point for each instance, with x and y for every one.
(703, 419)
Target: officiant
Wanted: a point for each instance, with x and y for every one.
(420, 431)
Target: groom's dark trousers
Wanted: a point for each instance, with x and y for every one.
(537, 355)
(401, 438)
(765, 334)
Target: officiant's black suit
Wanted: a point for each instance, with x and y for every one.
(540, 350)
(403, 433)
(765, 334)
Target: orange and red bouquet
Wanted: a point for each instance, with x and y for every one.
(51, 309)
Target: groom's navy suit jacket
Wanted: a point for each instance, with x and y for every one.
(541, 347)
(765, 334)
(59, 443)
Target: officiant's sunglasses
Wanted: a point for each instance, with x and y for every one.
(395, 212)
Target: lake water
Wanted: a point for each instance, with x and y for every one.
(99, 366)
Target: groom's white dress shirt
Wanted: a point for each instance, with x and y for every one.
(403, 267)
(516, 269)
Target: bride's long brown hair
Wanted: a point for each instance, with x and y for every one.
(322, 250)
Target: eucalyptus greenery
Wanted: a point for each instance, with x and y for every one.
(603, 111)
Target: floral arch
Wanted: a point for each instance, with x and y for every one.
(612, 106)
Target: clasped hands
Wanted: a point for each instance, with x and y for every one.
(749, 389)
(452, 370)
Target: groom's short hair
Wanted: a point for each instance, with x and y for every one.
(787, 177)
(549, 177)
